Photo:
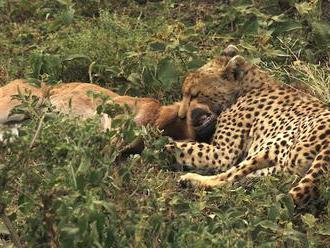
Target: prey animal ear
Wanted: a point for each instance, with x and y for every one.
(230, 51)
(234, 69)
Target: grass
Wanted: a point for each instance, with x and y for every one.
(66, 185)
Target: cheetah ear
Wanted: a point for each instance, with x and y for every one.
(234, 69)
(230, 51)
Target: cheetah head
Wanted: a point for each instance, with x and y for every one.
(217, 83)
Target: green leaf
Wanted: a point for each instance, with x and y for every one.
(324, 231)
(288, 203)
(309, 220)
(3, 229)
(67, 16)
(267, 224)
(292, 234)
(287, 26)
(273, 212)
(275, 53)
(157, 46)
(77, 56)
(251, 26)
(303, 8)
(321, 33)
(160, 143)
(194, 63)
(85, 163)
(167, 72)
(70, 230)
(65, 2)
(189, 48)
(278, 18)
(134, 78)
(34, 82)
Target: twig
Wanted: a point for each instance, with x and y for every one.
(49, 221)
(14, 236)
(37, 132)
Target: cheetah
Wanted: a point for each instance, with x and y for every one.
(263, 128)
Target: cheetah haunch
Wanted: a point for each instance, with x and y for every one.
(264, 127)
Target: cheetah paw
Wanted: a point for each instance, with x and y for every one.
(189, 180)
(199, 181)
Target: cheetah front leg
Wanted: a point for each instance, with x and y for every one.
(305, 189)
(246, 167)
(202, 155)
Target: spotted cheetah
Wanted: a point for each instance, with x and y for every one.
(264, 127)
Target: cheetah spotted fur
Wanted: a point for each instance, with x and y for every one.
(264, 127)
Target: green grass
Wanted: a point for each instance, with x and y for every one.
(70, 187)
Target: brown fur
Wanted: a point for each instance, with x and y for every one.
(72, 98)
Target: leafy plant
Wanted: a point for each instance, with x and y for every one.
(62, 172)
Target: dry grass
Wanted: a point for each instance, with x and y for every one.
(314, 77)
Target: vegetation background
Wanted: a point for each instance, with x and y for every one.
(63, 184)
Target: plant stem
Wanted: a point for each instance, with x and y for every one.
(14, 236)
(37, 132)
